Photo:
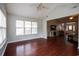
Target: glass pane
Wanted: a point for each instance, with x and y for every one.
(67, 28)
(2, 19)
(1, 39)
(27, 24)
(73, 27)
(34, 24)
(2, 35)
(28, 30)
(70, 27)
(34, 30)
(19, 31)
(19, 23)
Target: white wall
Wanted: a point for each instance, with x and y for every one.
(12, 29)
(3, 9)
(44, 28)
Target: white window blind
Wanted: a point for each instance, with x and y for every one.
(26, 27)
(34, 27)
(19, 27)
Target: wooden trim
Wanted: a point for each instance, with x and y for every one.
(64, 17)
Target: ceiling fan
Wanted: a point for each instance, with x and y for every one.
(75, 6)
(41, 6)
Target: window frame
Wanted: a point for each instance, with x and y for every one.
(3, 29)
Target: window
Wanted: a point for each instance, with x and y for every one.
(19, 27)
(67, 28)
(34, 27)
(2, 27)
(74, 27)
(26, 27)
(70, 27)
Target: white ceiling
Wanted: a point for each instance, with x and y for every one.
(30, 10)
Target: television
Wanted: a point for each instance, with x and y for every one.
(53, 27)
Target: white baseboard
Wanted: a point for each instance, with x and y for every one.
(21, 40)
(4, 49)
(16, 41)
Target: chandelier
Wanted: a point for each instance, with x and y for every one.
(41, 7)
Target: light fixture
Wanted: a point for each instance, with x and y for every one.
(41, 6)
(71, 18)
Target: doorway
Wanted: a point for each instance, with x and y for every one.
(66, 27)
(72, 32)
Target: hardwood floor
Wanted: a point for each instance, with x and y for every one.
(42, 47)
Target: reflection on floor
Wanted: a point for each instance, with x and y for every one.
(42, 47)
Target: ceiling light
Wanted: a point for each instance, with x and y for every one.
(71, 18)
(41, 7)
